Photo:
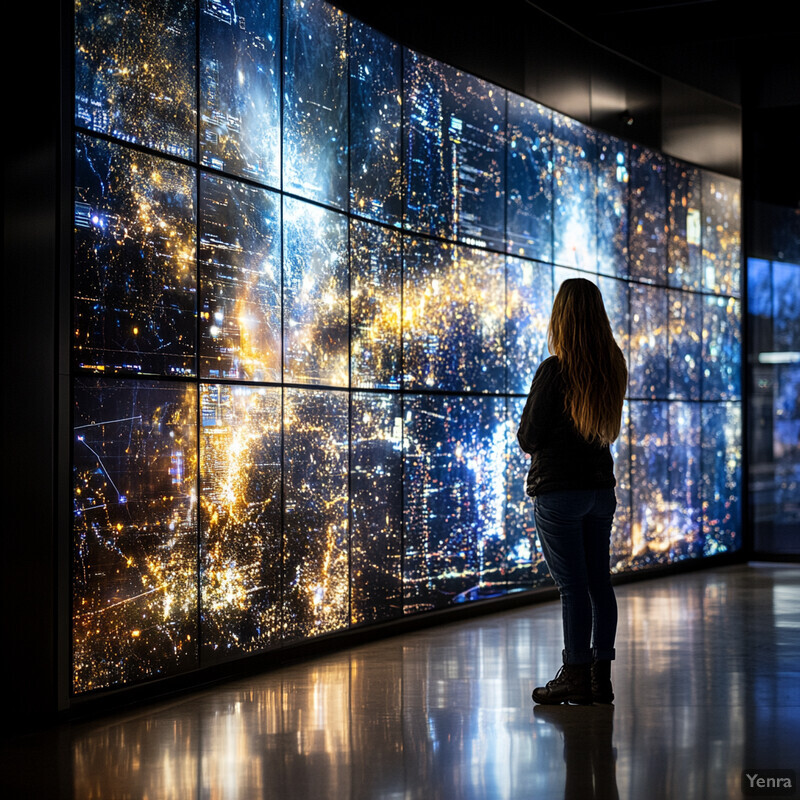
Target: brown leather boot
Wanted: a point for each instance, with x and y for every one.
(602, 691)
(572, 684)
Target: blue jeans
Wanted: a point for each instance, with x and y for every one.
(574, 529)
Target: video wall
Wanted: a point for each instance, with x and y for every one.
(311, 282)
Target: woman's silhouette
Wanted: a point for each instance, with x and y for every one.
(572, 415)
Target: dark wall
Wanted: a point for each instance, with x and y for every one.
(31, 241)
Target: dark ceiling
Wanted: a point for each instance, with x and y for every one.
(747, 54)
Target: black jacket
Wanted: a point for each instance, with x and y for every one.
(560, 457)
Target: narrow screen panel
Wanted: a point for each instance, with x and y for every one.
(529, 300)
(134, 532)
(240, 517)
(685, 505)
(316, 555)
(135, 72)
(685, 345)
(529, 202)
(375, 125)
(648, 215)
(722, 234)
(524, 566)
(612, 206)
(375, 284)
(240, 88)
(684, 252)
(649, 356)
(453, 317)
(622, 530)
(376, 507)
(454, 495)
(455, 153)
(722, 348)
(650, 459)
(315, 101)
(574, 190)
(134, 280)
(240, 281)
(315, 295)
(721, 477)
(616, 298)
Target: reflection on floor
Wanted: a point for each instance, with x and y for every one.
(707, 684)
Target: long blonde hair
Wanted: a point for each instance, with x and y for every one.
(592, 365)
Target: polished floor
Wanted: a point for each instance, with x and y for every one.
(707, 684)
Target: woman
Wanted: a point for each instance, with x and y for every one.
(572, 415)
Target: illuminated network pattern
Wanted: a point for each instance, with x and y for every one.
(315, 295)
(621, 530)
(651, 532)
(521, 551)
(135, 72)
(529, 298)
(375, 125)
(455, 469)
(529, 193)
(135, 261)
(685, 345)
(315, 101)
(134, 545)
(240, 517)
(685, 501)
(721, 480)
(722, 234)
(375, 291)
(316, 550)
(722, 348)
(240, 88)
(649, 354)
(616, 298)
(376, 507)
(684, 255)
(455, 153)
(648, 215)
(326, 321)
(453, 317)
(574, 187)
(612, 206)
(240, 281)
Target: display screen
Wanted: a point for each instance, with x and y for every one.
(311, 282)
(315, 117)
(240, 281)
(453, 309)
(455, 153)
(135, 72)
(648, 215)
(240, 517)
(240, 88)
(135, 274)
(134, 532)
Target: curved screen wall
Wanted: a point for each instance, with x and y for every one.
(311, 281)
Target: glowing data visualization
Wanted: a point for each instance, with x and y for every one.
(311, 278)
